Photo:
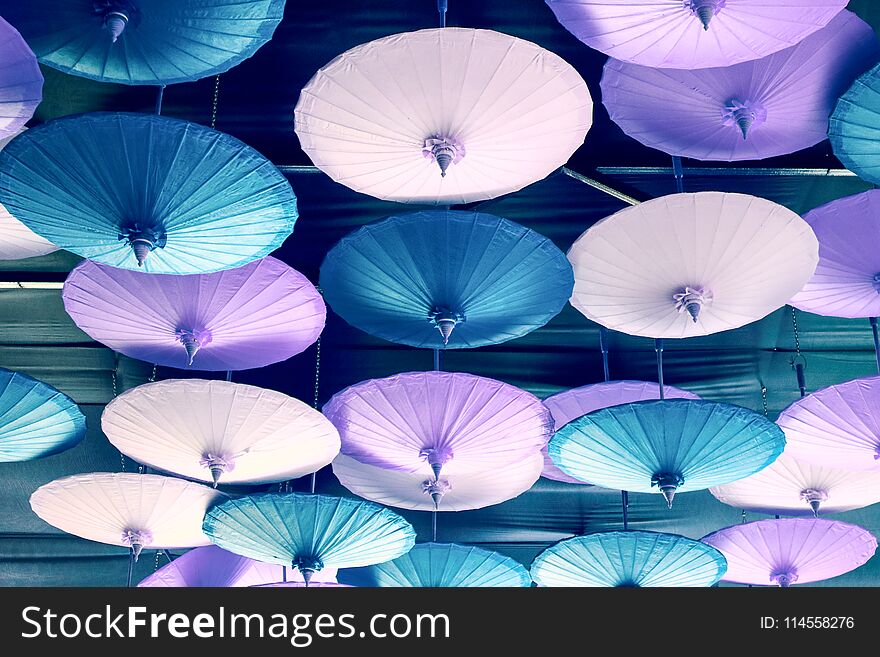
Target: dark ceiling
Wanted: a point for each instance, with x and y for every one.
(256, 105)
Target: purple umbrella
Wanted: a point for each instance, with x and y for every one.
(749, 111)
(692, 33)
(21, 83)
(237, 319)
(571, 404)
(212, 566)
(791, 550)
(846, 282)
(837, 427)
(449, 420)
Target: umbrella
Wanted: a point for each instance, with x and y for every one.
(628, 559)
(786, 551)
(169, 197)
(691, 264)
(441, 565)
(750, 111)
(795, 488)
(308, 532)
(692, 34)
(211, 566)
(452, 491)
(36, 420)
(571, 404)
(261, 313)
(450, 420)
(836, 427)
(853, 127)
(133, 510)
(300, 585)
(446, 279)
(145, 41)
(213, 430)
(846, 282)
(21, 83)
(443, 116)
(666, 446)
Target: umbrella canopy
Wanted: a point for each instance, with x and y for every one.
(853, 128)
(837, 427)
(795, 488)
(133, 510)
(692, 34)
(691, 264)
(450, 420)
(441, 565)
(443, 116)
(446, 279)
(571, 404)
(750, 111)
(145, 41)
(786, 551)
(170, 196)
(452, 491)
(628, 559)
(21, 83)
(301, 585)
(36, 420)
(846, 282)
(211, 566)
(666, 446)
(308, 532)
(217, 430)
(261, 313)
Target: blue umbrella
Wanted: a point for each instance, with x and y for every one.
(666, 446)
(441, 565)
(446, 279)
(854, 130)
(116, 188)
(145, 41)
(35, 419)
(308, 532)
(629, 559)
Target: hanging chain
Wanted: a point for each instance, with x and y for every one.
(317, 369)
(215, 101)
(797, 339)
(764, 399)
(156, 567)
(113, 379)
(152, 378)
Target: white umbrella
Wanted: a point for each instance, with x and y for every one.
(209, 430)
(132, 510)
(691, 264)
(443, 116)
(452, 491)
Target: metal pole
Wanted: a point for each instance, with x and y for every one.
(603, 345)
(442, 6)
(314, 480)
(168, 555)
(874, 330)
(658, 347)
(130, 568)
(434, 526)
(229, 375)
(678, 172)
(159, 97)
(436, 360)
(624, 501)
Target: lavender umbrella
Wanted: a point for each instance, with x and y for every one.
(572, 404)
(211, 566)
(792, 487)
(837, 427)
(454, 421)
(252, 316)
(846, 282)
(21, 83)
(692, 33)
(791, 550)
(750, 111)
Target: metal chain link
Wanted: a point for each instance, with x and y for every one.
(152, 378)
(317, 369)
(797, 340)
(764, 399)
(156, 567)
(215, 101)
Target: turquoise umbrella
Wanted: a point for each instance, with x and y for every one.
(854, 130)
(35, 419)
(629, 559)
(117, 188)
(441, 565)
(308, 532)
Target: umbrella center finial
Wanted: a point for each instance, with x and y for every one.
(192, 342)
(136, 539)
(877, 282)
(692, 300)
(814, 497)
(217, 464)
(445, 320)
(436, 489)
(142, 240)
(705, 10)
(436, 458)
(307, 567)
(784, 578)
(668, 483)
(445, 151)
(743, 114)
(116, 16)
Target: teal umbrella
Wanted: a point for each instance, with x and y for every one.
(854, 130)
